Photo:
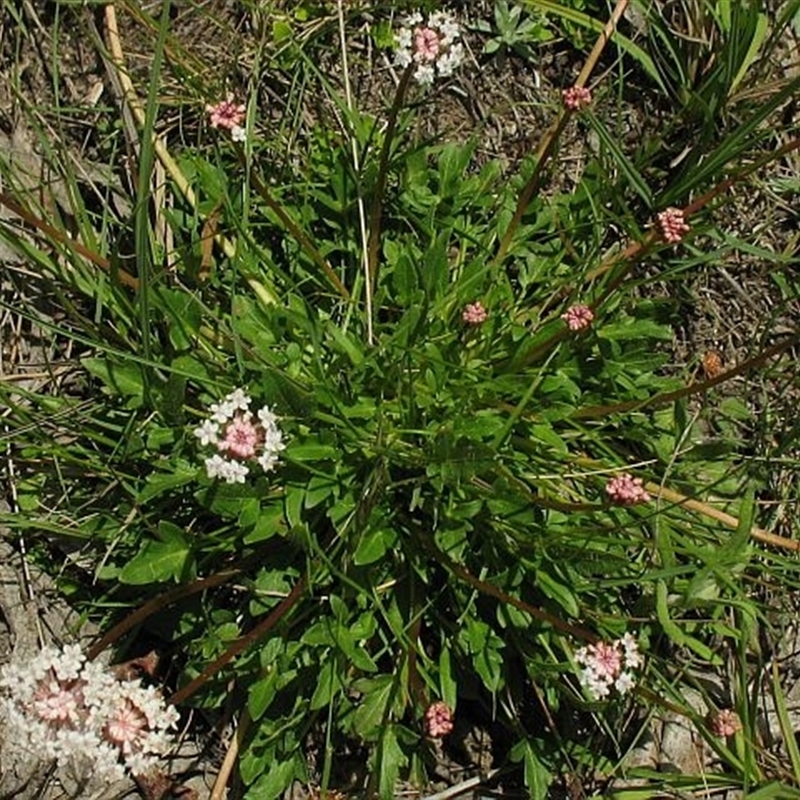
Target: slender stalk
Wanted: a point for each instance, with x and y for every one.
(362, 213)
(493, 591)
(116, 65)
(632, 254)
(242, 643)
(302, 238)
(595, 412)
(548, 143)
(158, 603)
(144, 196)
(380, 183)
(125, 278)
(218, 791)
(759, 534)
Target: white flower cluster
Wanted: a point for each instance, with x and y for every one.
(60, 706)
(608, 665)
(432, 45)
(239, 438)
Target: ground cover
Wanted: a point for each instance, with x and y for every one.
(401, 399)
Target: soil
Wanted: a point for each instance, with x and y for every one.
(729, 308)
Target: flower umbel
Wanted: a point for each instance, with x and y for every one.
(673, 225)
(576, 97)
(578, 317)
(431, 44)
(239, 438)
(609, 665)
(475, 313)
(625, 490)
(227, 114)
(724, 722)
(438, 720)
(59, 706)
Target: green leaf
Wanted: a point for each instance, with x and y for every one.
(271, 522)
(373, 708)
(537, 776)
(636, 181)
(293, 503)
(785, 721)
(675, 633)
(373, 545)
(189, 366)
(159, 482)
(157, 562)
(635, 329)
(345, 343)
(391, 759)
(435, 267)
(126, 379)
(274, 779)
(281, 31)
(185, 316)
(310, 451)
(484, 646)
(319, 489)
(558, 592)
(262, 693)
(545, 434)
(447, 683)
(329, 682)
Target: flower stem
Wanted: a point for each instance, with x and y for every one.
(596, 412)
(299, 234)
(162, 601)
(373, 244)
(242, 643)
(548, 143)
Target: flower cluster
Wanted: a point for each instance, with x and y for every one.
(576, 97)
(625, 490)
(228, 115)
(578, 317)
(239, 438)
(432, 45)
(712, 363)
(438, 720)
(61, 706)
(724, 723)
(673, 225)
(475, 313)
(609, 665)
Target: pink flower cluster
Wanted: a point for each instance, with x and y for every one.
(724, 723)
(438, 720)
(475, 313)
(60, 706)
(228, 115)
(624, 490)
(432, 45)
(578, 317)
(239, 438)
(673, 225)
(576, 97)
(609, 665)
